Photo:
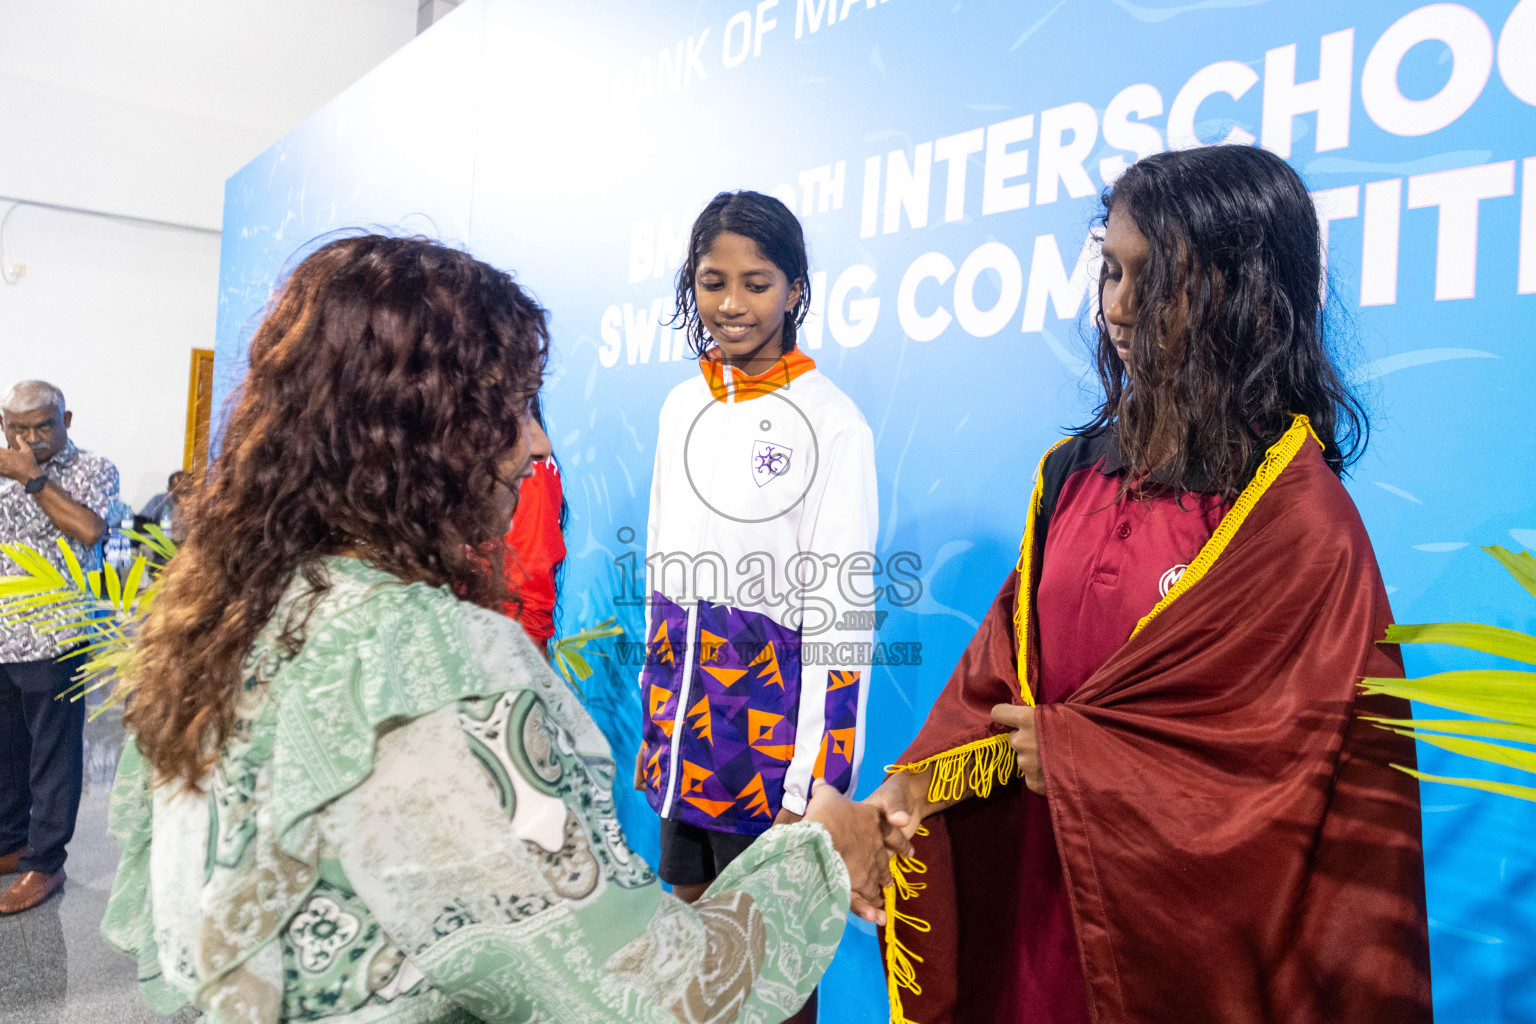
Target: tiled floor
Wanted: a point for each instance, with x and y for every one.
(54, 966)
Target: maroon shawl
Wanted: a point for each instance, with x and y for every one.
(1235, 844)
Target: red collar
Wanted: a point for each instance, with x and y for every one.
(727, 383)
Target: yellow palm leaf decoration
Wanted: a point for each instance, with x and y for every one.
(103, 607)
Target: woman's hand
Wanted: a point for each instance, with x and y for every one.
(866, 838)
(902, 797)
(1025, 743)
(639, 775)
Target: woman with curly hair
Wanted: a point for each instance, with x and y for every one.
(1209, 826)
(355, 791)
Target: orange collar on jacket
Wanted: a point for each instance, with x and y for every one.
(727, 383)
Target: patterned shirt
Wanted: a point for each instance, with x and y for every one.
(90, 480)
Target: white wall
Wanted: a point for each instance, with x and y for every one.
(143, 110)
(146, 108)
(110, 312)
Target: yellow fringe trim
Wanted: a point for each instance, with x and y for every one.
(1276, 459)
(1026, 577)
(901, 962)
(973, 767)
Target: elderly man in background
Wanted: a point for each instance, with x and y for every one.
(49, 490)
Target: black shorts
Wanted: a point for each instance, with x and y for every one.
(691, 855)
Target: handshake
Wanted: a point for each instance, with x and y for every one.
(866, 835)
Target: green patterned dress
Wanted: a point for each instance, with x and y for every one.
(414, 821)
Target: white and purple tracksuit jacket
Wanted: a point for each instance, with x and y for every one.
(759, 621)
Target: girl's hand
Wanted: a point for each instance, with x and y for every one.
(902, 797)
(639, 778)
(866, 838)
(786, 817)
(1025, 743)
(906, 794)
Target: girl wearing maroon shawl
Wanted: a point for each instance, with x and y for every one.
(1208, 827)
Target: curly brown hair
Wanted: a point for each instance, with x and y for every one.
(387, 379)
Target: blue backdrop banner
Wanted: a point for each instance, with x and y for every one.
(946, 158)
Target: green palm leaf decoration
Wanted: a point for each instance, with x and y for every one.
(1504, 699)
(102, 606)
(568, 654)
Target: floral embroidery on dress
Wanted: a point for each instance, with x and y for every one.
(704, 974)
(235, 783)
(321, 930)
(733, 958)
(336, 957)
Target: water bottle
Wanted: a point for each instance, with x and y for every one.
(119, 551)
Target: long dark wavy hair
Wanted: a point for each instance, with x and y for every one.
(1230, 337)
(778, 235)
(387, 379)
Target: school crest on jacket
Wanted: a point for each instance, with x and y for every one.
(769, 461)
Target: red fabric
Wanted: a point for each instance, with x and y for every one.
(1235, 846)
(1108, 561)
(535, 549)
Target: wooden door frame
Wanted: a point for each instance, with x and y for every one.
(199, 414)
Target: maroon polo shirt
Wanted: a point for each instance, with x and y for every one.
(1108, 560)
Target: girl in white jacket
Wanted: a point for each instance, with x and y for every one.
(759, 556)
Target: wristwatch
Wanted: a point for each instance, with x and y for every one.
(36, 484)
